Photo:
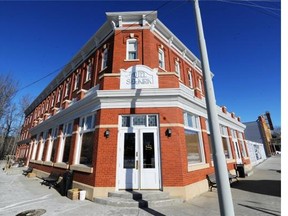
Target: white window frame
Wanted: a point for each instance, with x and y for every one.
(224, 134)
(67, 88)
(65, 133)
(242, 143)
(192, 123)
(88, 72)
(52, 138)
(104, 59)
(161, 57)
(59, 95)
(190, 79)
(200, 84)
(82, 130)
(134, 51)
(76, 81)
(177, 68)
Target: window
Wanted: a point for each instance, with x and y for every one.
(193, 137)
(161, 58)
(53, 143)
(177, 68)
(59, 95)
(87, 139)
(104, 59)
(52, 102)
(139, 120)
(67, 89)
(225, 141)
(66, 141)
(89, 71)
(76, 81)
(242, 142)
(200, 84)
(190, 80)
(45, 145)
(131, 49)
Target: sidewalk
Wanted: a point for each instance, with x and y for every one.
(255, 195)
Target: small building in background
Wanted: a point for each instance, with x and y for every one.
(260, 131)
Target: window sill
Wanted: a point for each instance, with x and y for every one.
(131, 60)
(194, 167)
(38, 162)
(48, 163)
(230, 160)
(81, 168)
(61, 165)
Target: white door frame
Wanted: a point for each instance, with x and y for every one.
(140, 177)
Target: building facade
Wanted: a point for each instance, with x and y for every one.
(260, 131)
(128, 112)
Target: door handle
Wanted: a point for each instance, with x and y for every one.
(136, 164)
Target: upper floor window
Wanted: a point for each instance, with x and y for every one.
(67, 89)
(131, 47)
(161, 58)
(104, 59)
(89, 71)
(177, 68)
(200, 84)
(190, 80)
(76, 81)
(59, 95)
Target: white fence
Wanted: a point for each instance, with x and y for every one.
(256, 152)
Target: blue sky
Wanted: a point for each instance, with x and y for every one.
(243, 42)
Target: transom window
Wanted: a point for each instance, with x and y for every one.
(139, 121)
(132, 48)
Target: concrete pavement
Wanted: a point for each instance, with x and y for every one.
(258, 194)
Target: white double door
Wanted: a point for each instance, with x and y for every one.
(138, 159)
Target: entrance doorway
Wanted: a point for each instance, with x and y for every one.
(237, 152)
(138, 157)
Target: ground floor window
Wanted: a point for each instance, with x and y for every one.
(67, 147)
(194, 147)
(87, 148)
(226, 147)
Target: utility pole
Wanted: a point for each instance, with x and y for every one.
(223, 185)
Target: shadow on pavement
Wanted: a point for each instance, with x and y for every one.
(263, 210)
(266, 187)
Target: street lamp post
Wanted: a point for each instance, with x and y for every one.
(223, 185)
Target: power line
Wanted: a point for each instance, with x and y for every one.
(266, 10)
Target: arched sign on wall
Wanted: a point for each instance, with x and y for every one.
(138, 77)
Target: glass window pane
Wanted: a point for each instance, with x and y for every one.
(129, 150)
(148, 150)
(87, 148)
(193, 147)
(67, 147)
(139, 120)
(152, 121)
(89, 122)
(125, 121)
(225, 147)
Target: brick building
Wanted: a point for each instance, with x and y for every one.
(128, 112)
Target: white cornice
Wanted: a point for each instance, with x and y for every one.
(182, 97)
